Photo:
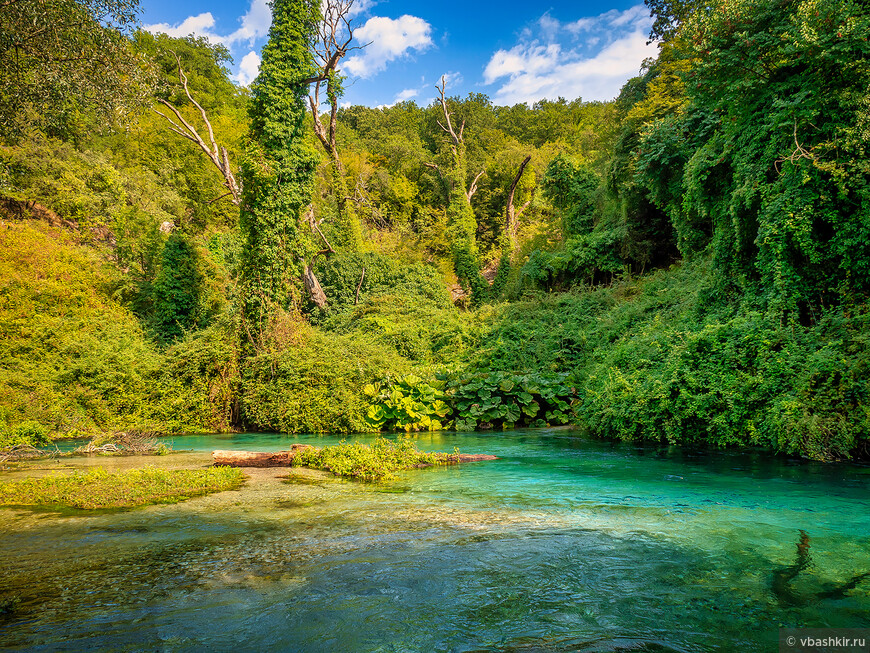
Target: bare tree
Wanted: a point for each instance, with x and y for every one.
(334, 38)
(216, 153)
(457, 142)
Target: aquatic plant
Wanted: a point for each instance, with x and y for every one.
(498, 398)
(377, 462)
(136, 487)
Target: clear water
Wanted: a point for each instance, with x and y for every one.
(563, 544)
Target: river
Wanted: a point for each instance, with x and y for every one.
(562, 544)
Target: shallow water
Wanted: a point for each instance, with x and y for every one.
(563, 544)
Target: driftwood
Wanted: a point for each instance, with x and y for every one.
(285, 458)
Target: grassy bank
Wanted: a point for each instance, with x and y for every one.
(100, 489)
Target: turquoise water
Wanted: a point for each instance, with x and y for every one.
(563, 544)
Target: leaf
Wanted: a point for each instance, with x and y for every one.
(531, 409)
(506, 385)
(370, 390)
(440, 408)
(512, 412)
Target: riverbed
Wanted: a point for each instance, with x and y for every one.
(562, 544)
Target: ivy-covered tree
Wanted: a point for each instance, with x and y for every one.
(279, 165)
(460, 215)
(771, 149)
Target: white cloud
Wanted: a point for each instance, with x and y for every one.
(388, 40)
(249, 67)
(200, 25)
(594, 69)
(361, 7)
(407, 94)
(255, 23)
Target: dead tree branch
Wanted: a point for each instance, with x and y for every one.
(358, 286)
(216, 153)
(454, 136)
(473, 188)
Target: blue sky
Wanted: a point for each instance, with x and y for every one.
(512, 51)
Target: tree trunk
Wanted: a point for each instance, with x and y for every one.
(312, 287)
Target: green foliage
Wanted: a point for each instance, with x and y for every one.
(77, 361)
(572, 189)
(772, 167)
(666, 358)
(406, 403)
(99, 489)
(178, 291)
(312, 382)
(66, 65)
(415, 328)
(377, 462)
(586, 258)
(196, 387)
(27, 432)
(377, 275)
(507, 400)
(279, 164)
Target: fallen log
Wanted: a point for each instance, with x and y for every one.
(285, 458)
(257, 458)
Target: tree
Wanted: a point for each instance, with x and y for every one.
(279, 165)
(60, 59)
(460, 215)
(178, 290)
(771, 166)
(332, 43)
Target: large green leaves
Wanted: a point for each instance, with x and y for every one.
(405, 403)
(498, 398)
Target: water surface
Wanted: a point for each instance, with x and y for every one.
(563, 544)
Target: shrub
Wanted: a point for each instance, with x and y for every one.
(28, 432)
(315, 385)
(377, 462)
(341, 274)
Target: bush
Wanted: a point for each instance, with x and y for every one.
(29, 433)
(415, 328)
(314, 385)
(340, 276)
(377, 462)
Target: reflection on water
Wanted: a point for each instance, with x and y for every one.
(563, 544)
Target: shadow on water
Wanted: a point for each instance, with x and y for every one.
(781, 583)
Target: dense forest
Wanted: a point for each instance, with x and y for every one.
(688, 263)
